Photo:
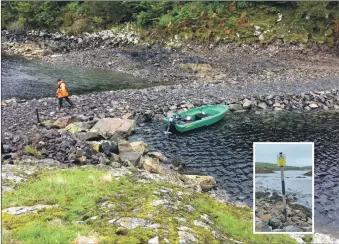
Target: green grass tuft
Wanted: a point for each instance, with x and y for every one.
(32, 151)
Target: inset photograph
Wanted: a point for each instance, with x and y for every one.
(283, 187)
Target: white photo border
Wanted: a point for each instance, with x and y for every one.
(273, 233)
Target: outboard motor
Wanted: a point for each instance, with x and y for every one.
(171, 120)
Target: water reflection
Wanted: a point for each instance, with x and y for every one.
(25, 79)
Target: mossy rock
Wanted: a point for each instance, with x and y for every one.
(48, 123)
(73, 128)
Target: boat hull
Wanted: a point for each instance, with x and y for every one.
(215, 112)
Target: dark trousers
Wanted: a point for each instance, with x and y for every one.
(67, 99)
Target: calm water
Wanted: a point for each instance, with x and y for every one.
(301, 187)
(225, 152)
(25, 79)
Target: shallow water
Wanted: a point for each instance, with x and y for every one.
(300, 187)
(224, 151)
(28, 79)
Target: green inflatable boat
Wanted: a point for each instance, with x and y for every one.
(195, 118)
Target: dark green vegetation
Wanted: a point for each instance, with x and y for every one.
(269, 168)
(302, 22)
(81, 193)
(263, 171)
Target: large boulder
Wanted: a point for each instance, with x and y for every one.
(132, 157)
(151, 165)
(109, 126)
(124, 146)
(157, 155)
(90, 136)
(63, 122)
(139, 146)
(205, 182)
(235, 107)
(108, 147)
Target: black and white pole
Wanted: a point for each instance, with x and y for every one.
(282, 163)
(283, 192)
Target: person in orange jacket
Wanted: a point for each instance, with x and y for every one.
(62, 93)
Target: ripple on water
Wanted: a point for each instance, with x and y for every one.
(225, 152)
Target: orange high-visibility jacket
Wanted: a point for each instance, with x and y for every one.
(62, 90)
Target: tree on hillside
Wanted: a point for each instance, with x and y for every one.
(34, 15)
(107, 13)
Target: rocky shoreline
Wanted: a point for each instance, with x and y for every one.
(20, 129)
(178, 61)
(269, 216)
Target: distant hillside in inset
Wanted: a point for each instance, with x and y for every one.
(261, 167)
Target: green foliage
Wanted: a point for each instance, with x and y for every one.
(303, 22)
(165, 20)
(17, 25)
(244, 5)
(109, 13)
(273, 10)
(151, 12)
(30, 15)
(75, 20)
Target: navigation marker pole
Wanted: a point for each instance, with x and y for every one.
(281, 163)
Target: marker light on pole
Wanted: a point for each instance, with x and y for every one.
(281, 161)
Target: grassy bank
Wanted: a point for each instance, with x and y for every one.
(80, 194)
(241, 22)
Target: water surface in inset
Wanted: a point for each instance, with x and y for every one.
(296, 184)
